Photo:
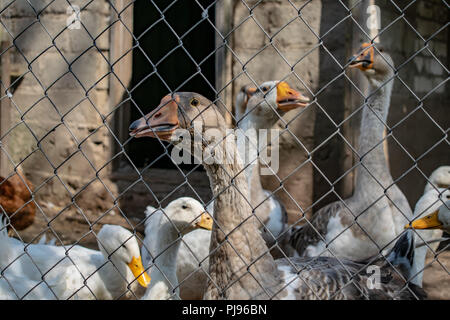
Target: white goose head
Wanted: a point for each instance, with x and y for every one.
(241, 101)
(439, 219)
(376, 64)
(121, 247)
(187, 214)
(272, 95)
(440, 178)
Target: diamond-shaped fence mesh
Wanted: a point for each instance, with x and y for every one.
(224, 149)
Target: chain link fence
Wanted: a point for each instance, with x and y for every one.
(92, 212)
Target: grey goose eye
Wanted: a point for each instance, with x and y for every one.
(184, 206)
(194, 102)
(264, 89)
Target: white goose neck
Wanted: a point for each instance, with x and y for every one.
(251, 127)
(164, 272)
(373, 121)
(118, 276)
(248, 145)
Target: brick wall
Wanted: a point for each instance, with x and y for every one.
(267, 49)
(419, 97)
(46, 93)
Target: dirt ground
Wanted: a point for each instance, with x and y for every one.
(70, 226)
(436, 280)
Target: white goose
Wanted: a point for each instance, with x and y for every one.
(163, 231)
(240, 265)
(263, 109)
(108, 272)
(379, 205)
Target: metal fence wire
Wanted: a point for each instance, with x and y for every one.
(71, 171)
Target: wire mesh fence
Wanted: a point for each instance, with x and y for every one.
(224, 149)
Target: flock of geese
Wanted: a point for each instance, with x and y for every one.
(240, 246)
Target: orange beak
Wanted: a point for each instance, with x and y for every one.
(161, 122)
(430, 221)
(206, 221)
(363, 60)
(139, 272)
(289, 99)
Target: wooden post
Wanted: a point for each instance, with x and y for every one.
(121, 43)
(352, 101)
(374, 28)
(5, 106)
(224, 23)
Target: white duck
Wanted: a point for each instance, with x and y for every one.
(435, 193)
(439, 178)
(165, 231)
(439, 219)
(240, 265)
(15, 285)
(264, 107)
(108, 272)
(428, 203)
(375, 214)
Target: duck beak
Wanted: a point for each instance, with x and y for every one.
(205, 222)
(161, 122)
(289, 99)
(363, 60)
(139, 272)
(428, 222)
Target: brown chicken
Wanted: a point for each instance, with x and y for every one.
(14, 194)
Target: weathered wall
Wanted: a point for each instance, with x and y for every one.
(333, 157)
(418, 126)
(269, 46)
(419, 106)
(265, 48)
(56, 113)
